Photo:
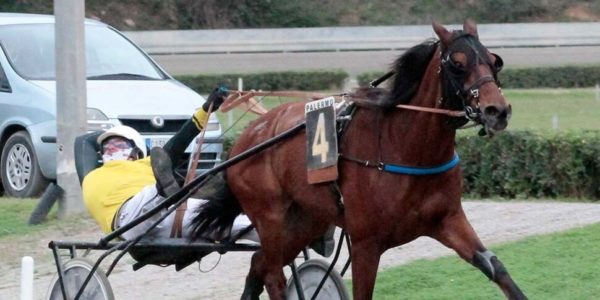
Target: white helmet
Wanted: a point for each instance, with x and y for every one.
(125, 132)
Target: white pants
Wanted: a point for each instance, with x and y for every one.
(149, 198)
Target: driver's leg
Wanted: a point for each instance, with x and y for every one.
(145, 200)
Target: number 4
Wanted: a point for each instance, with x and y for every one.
(320, 146)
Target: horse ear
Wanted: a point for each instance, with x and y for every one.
(443, 34)
(470, 27)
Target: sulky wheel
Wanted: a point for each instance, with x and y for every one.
(310, 273)
(76, 270)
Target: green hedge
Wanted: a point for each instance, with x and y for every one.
(549, 77)
(518, 164)
(270, 81)
(524, 164)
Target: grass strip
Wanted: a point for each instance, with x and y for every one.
(556, 266)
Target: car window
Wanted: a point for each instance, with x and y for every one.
(4, 84)
(109, 53)
(30, 50)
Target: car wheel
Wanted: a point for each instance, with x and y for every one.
(21, 174)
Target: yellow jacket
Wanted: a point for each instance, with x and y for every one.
(106, 188)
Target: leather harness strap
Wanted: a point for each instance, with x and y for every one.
(177, 228)
(452, 113)
(236, 97)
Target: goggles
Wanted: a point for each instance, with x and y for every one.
(115, 144)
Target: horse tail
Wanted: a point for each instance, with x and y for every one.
(215, 217)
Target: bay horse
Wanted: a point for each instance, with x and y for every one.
(379, 209)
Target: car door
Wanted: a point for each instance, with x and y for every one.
(20, 171)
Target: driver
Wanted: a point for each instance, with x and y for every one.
(131, 183)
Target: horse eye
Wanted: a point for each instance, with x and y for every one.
(458, 64)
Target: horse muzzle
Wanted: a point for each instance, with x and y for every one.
(495, 118)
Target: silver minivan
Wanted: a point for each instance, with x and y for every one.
(124, 86)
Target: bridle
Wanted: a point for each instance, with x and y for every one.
(455, 76)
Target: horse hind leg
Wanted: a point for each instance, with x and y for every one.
(266, 268)
(254, 284)
(282, 240)
(265, 272)
(457, 233)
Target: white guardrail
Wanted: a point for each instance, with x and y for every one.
(357, 38)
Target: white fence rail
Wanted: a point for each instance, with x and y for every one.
(357, 38)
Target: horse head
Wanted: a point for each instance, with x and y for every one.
(469, 77)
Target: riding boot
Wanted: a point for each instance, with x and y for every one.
(324, 244)
(163, 172)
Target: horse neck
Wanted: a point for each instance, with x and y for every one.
(425, 137)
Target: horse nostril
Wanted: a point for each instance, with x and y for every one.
(491, 111)
(500, 114)
(503, 114)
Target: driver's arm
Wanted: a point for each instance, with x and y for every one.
(192, 127)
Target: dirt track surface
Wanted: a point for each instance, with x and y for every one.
(494, 222)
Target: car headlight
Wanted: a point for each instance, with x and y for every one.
(97, 120)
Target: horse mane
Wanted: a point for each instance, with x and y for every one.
(408, 70)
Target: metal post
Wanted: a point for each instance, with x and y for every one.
(240, 87)
(70, 98)
(240, 84)
(27, 278)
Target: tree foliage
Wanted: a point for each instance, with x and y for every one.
(212, 14)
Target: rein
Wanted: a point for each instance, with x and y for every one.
(448, 112)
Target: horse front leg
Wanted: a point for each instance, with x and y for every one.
(365, 262)
(456, 233)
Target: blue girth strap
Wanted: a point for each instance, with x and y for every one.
(422, 170)
(408, 170)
